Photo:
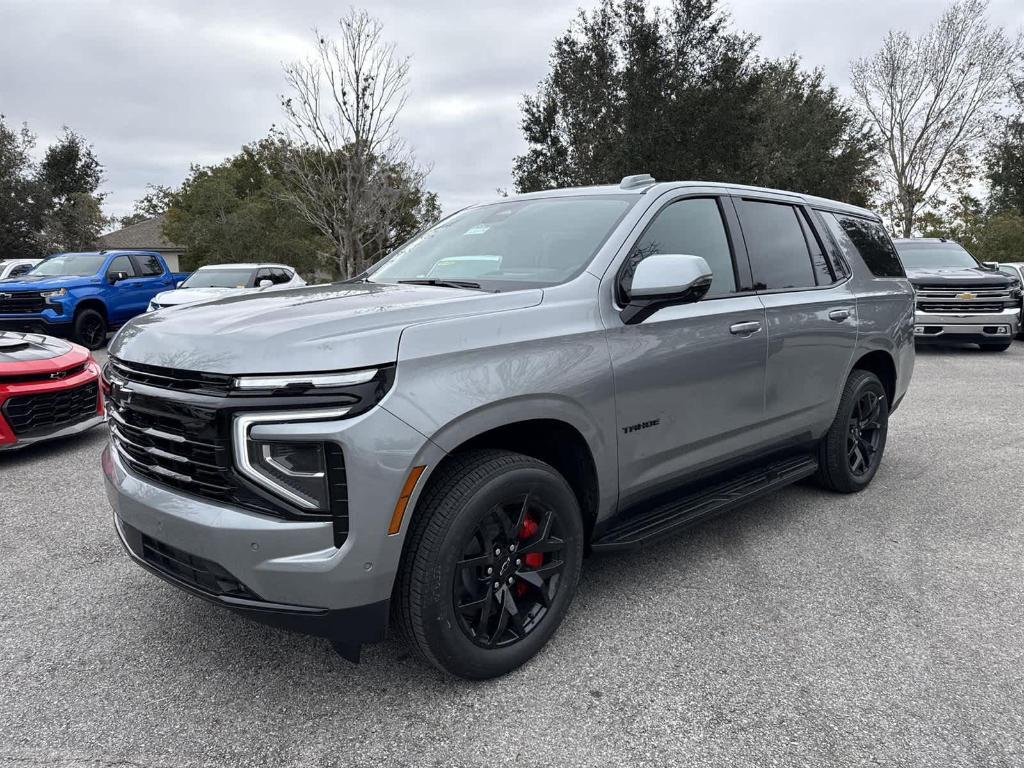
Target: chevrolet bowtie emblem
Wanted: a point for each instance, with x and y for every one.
(967, 295)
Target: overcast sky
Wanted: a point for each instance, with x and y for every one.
(158, 85)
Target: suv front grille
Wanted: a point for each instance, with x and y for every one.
(171, 378)
(33, 415)
(186, 445)
(21, 302)
(960, 306)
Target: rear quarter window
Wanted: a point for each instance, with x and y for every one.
(868, 239)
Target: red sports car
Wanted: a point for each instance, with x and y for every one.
(49, 388)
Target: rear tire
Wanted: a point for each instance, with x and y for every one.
(850, 453)
(90, 329)
(491, 563)
(995, 347)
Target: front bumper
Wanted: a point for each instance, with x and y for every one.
(292, 573)
(967, 327)
(48, 321)
(74, 429)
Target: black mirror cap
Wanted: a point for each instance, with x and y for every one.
(638, 310)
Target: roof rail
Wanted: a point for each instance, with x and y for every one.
(633, 182)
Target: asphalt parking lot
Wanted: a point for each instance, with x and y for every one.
(885, 628)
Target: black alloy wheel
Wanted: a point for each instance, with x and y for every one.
(864, 433)
(490, 563)
(90, 329)
(509, 573)
(851, 451)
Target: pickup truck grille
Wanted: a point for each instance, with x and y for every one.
(34, 415)
(21, 302)
(946, 298)
(960, 306)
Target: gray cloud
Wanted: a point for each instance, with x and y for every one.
(157, 86)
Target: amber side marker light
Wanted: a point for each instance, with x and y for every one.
(403, 500)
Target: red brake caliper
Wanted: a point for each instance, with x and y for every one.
(532, 559)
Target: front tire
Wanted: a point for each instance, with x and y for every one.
(491, 564)
(90, 329)
(850, 453)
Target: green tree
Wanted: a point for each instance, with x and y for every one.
(678, 94)
(234, 212)
(71, 175)
(1004, 168)
(156, 201)
(22, 198)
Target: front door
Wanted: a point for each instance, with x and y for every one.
(689, 380)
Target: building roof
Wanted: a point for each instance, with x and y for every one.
(146, 235)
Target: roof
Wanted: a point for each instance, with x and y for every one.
(665, 186)
(254, 265)
(146, 234)
(925, 241)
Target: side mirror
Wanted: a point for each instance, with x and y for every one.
(264, 283)
(990, 264)
(663, 280)
(179, 284)
(116, 277)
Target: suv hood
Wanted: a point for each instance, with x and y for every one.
(44, 282)
(957, 276)
(318, 328)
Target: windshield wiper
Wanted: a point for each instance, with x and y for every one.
(444, 283)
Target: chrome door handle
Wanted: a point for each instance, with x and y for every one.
(839, 315)
(745, 329)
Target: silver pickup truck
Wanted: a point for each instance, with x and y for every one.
(958, 298)
(438, 443)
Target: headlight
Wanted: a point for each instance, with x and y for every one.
(293, 470)
(306, 380)
(51, 295)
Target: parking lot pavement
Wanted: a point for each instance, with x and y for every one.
(884, 628)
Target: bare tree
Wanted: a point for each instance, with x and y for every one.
(347, 171)
(932, 100)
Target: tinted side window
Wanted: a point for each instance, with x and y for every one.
(21, 269)
(148, 265)
(776, 244)
(280, 276)
(823, 270)
(869, 240)
(693, 227)
(121, 264)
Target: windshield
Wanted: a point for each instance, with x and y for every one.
(507, 245)
(219, 278)
(934, 256)
(70, 265)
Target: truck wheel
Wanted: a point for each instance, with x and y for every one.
(851, 451)
(90, 329)
(491, 564)
(995, 347)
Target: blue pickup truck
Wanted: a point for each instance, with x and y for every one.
(84, 295)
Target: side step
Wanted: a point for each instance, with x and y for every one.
(634, 530)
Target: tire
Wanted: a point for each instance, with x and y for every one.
(90, 329)
(995, 347)
(474, 497)
(847, 461)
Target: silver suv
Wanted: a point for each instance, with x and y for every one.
(437, 444)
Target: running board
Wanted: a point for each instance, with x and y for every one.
(634, 530)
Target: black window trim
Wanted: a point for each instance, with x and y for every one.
(870, 220)
(805, 207)
(729, 224)
(137, 261)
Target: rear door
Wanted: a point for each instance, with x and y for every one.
(811, 315)
(689, 380)
(150, 280)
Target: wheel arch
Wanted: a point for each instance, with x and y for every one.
(92, 303)
(882, 364)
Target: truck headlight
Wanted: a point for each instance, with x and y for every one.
(51, 296)
(296, 470)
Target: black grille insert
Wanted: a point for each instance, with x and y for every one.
(171, 378)
(40, 414)
(20, 302)
(198, 572)
(960, 306)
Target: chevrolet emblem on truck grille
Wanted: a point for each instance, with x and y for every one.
(967, 295)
